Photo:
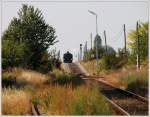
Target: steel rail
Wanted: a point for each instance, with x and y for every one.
(35, 110)
(75, 68)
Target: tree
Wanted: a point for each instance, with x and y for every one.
(31, 29)
(143, 37)
(13, 54)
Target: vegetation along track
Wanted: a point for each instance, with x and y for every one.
(126, 102)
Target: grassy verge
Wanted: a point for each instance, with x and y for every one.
(61, 78)
(65, 100)
(15, 102)
(126, 77)
(19, 86)
(136, 82)
(56, 93)
(90, 66)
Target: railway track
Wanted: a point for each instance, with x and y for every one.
(35, 110)
(125, 102)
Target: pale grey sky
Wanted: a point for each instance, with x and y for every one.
(73, 22)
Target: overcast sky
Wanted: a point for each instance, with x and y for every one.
(73, 22)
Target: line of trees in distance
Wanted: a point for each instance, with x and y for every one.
(109, 58)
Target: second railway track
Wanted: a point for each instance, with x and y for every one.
(126, 102)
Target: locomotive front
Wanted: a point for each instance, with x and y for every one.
(68, 57)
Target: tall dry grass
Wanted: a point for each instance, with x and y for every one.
(15, 102)
(65, 100)
(33, 77)
(17, 95)
(52, 98)
(136, 81)
(90, 66)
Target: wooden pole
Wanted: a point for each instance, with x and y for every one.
(124, 29)
(138, 50)
(105, 40)
(91, 41)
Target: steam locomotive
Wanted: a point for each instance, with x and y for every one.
(68, 57)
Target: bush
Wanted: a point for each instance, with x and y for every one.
(62, 78)
(13, 54)
(108, 61)
(9, 80)
(25, 40)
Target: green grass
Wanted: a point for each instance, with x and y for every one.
(91, 102)
(136, 82)
(62, 78)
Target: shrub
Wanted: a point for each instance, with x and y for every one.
(62, 78)
(108, 61)
(13, 54)
(9, 80)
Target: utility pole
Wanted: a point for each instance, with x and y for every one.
(124, 29)
(85, 51)
(78, 56)
(93, 13)
(80, 51)
(96, 25)
(91, 41)
(86, 46)
(105, 40)
(138, 51)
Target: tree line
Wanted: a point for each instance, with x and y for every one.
(109, 58)
(26, 41)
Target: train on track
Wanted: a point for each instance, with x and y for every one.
(67, 57)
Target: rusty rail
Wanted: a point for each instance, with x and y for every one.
(35, 110)
(115, 105)
(131, 93)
